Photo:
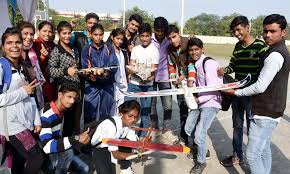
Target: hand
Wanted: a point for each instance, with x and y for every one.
(84, 137)
(190, 83)
(43, 51)
(29, 89)
(175, 84)
(229, 92)
(150, 78)
(196, 100)
(72, 71)
(130, 47)
(37, 129)
(179, 80)
(130, 69)
(221, 71)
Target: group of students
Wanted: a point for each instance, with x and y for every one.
(54, 92)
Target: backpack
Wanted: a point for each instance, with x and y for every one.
(226, 99)
(6, 74)
(93, 125)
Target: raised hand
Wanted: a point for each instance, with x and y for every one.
(29, 89)
(84, 137)
(43, 51)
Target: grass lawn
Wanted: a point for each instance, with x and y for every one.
(222, 51)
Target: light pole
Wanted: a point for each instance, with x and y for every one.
(124, 12)
(182, 16)
(46, 10)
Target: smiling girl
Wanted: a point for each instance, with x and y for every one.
(23, 117)
(62, 67)
(43, 45)
(116, 40)
(31, 60)
(99, 89)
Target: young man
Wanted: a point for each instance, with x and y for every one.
(143, 65)
(80, 39)
(177, 51)
(162, 76)
(59, 148)
(245, 59)
(269, 95)
(131, 36)
(209, 103)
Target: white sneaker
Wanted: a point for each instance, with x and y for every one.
(129, 170)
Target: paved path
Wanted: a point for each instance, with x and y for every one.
(219, 143)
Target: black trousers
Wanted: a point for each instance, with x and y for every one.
(102, 160)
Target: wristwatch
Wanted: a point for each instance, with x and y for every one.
(77, 138)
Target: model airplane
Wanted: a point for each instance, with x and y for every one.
(188, 91)
(90, 70)
(145, 146)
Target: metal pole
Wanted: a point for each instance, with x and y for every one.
(182, 16)
(46, 10)
(124, 12)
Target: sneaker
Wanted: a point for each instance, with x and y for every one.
(129, 170)
(231, 161)
(193, 155)
(198, 168)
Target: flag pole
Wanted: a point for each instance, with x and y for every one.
(124, 12)
(182, 16)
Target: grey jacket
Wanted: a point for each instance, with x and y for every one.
(21, 110)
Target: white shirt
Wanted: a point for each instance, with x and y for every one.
(107, 129)
(120, 78)
(145, 58)
(272, 65)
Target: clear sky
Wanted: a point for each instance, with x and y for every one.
(171, 9)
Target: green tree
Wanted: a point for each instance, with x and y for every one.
(144, 14)
(18, 18)
(257, 26)
(225, 24)
(288, 32)
(203, 24)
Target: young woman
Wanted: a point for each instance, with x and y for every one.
(105, 157)
(43, 45)
(62, 67)
(116, 40)
(23, 116)
(31, 60)
(99, 89)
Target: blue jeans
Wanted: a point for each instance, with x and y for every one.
(60, 162)
(196, 126)
(258, 149)
(165, 100)
(145, 103)
(79, 166)
(240, 105)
